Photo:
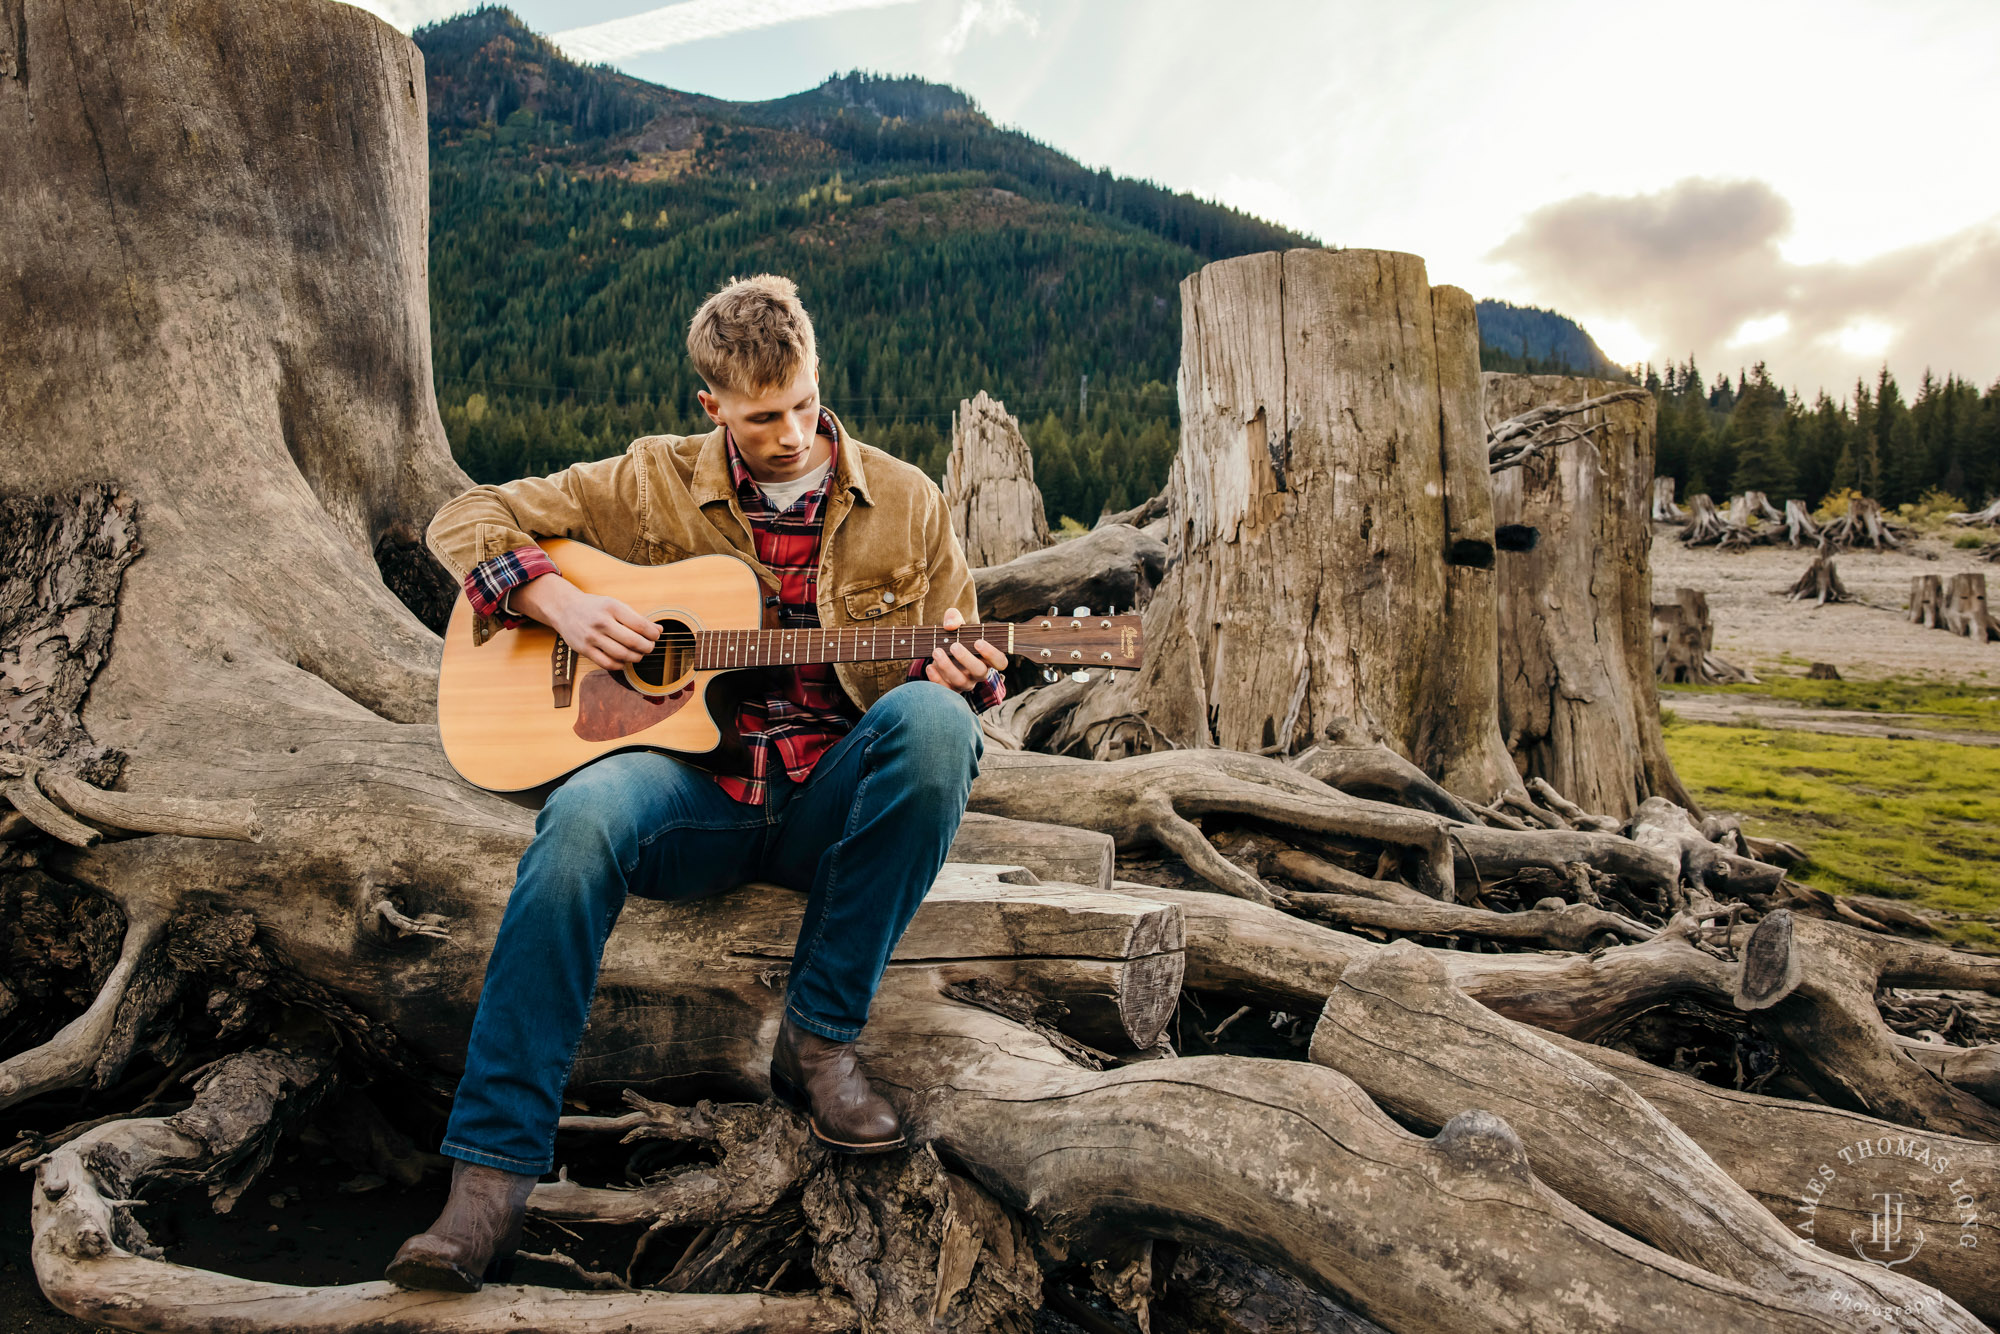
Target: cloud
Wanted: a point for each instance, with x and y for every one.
(695, 21)
(1699, 269)
(986, 17)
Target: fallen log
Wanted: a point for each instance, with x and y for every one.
(1051, 851)
(1426, 1052)
(1286, 1154)
(1110, 568)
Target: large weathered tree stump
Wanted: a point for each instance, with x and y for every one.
(989, 485)
(1332, 545)
(1965, 609)
(1926, 600)
(1684, 643)
(1664, 508)
(1578, 706)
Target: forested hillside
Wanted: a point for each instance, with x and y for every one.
(579, 216)
(1752, 435)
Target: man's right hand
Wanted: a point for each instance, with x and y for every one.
(602, 629)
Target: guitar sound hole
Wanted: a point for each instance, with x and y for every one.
(672, 655)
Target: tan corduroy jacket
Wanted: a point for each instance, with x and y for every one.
(888, 555)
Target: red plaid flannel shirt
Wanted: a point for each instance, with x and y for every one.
(803, 712)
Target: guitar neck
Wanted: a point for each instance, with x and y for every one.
(723, 649)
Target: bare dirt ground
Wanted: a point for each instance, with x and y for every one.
(1755, 625)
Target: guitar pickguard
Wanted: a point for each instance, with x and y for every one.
(608, 709)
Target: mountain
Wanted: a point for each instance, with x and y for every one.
(1528, 338)
(578, 217)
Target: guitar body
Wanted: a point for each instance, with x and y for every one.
(508, 726)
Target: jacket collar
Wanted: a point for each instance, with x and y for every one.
(712, 482)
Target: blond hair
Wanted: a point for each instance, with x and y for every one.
(752, 336)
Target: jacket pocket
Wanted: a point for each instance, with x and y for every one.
(900, 596)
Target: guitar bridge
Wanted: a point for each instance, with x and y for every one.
(562, 672)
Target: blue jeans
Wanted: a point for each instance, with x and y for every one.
(864, 836)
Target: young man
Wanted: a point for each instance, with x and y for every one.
(849, 785)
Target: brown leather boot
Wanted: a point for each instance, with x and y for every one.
(474, 1239)
(821, 1078)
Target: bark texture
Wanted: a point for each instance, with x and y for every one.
(989, 485)
(1331, 470)
(1578, 706)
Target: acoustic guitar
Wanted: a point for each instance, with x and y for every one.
(523, 709)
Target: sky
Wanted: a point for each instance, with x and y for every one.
(1803, 182)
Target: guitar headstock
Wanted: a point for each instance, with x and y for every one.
(1081, 640)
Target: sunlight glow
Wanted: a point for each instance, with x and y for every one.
(1622, 341)
(1761, 329)
(1865, 338)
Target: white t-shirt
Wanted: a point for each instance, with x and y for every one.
(783, 494)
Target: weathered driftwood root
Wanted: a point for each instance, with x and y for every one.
(1513, 442)
(1051, 851)
(1153, 799)
(29, 784)
(1828, 1026)
(1823, 1170)
(1800, 530)
(1864, 525)
(1116, 566)
(1753, 507)
(1703, 864)
(1426, 1052)
(94, 1262)
(1573, 926)
(1295, 1166)
(1707, 526)
(76, 1053)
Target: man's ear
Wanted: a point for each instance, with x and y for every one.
(709, 405)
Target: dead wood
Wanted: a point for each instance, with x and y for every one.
(1926, 600)
(1965, 609)
(1664, 510)
(1105, 1154)
(1578, 704)
(1051, 851)
(1513, 441)
(1988, 517)
(1142, 515)
(1427, 1053)
(1753, 509)
(1707, 527)
(1110, 568)
(1864, 524)
(1573, 926)
(1684, 643)
(1153, 800)
(1821, 1171)
(1375, 771)
(1799, 526)
(989, 485)
(1821, 581)
(1260, 606)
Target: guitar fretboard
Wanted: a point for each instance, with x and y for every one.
(720, 649)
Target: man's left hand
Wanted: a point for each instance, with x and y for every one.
(958, 667)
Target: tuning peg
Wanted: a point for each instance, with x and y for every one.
(1079, 675)
(1081, 611)
(1051, 675)
(1053, 611)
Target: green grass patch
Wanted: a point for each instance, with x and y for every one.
(1972, 706)
(1916, 820)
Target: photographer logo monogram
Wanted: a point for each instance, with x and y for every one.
(1902, 1186)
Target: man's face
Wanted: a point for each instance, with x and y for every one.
(776, 431)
